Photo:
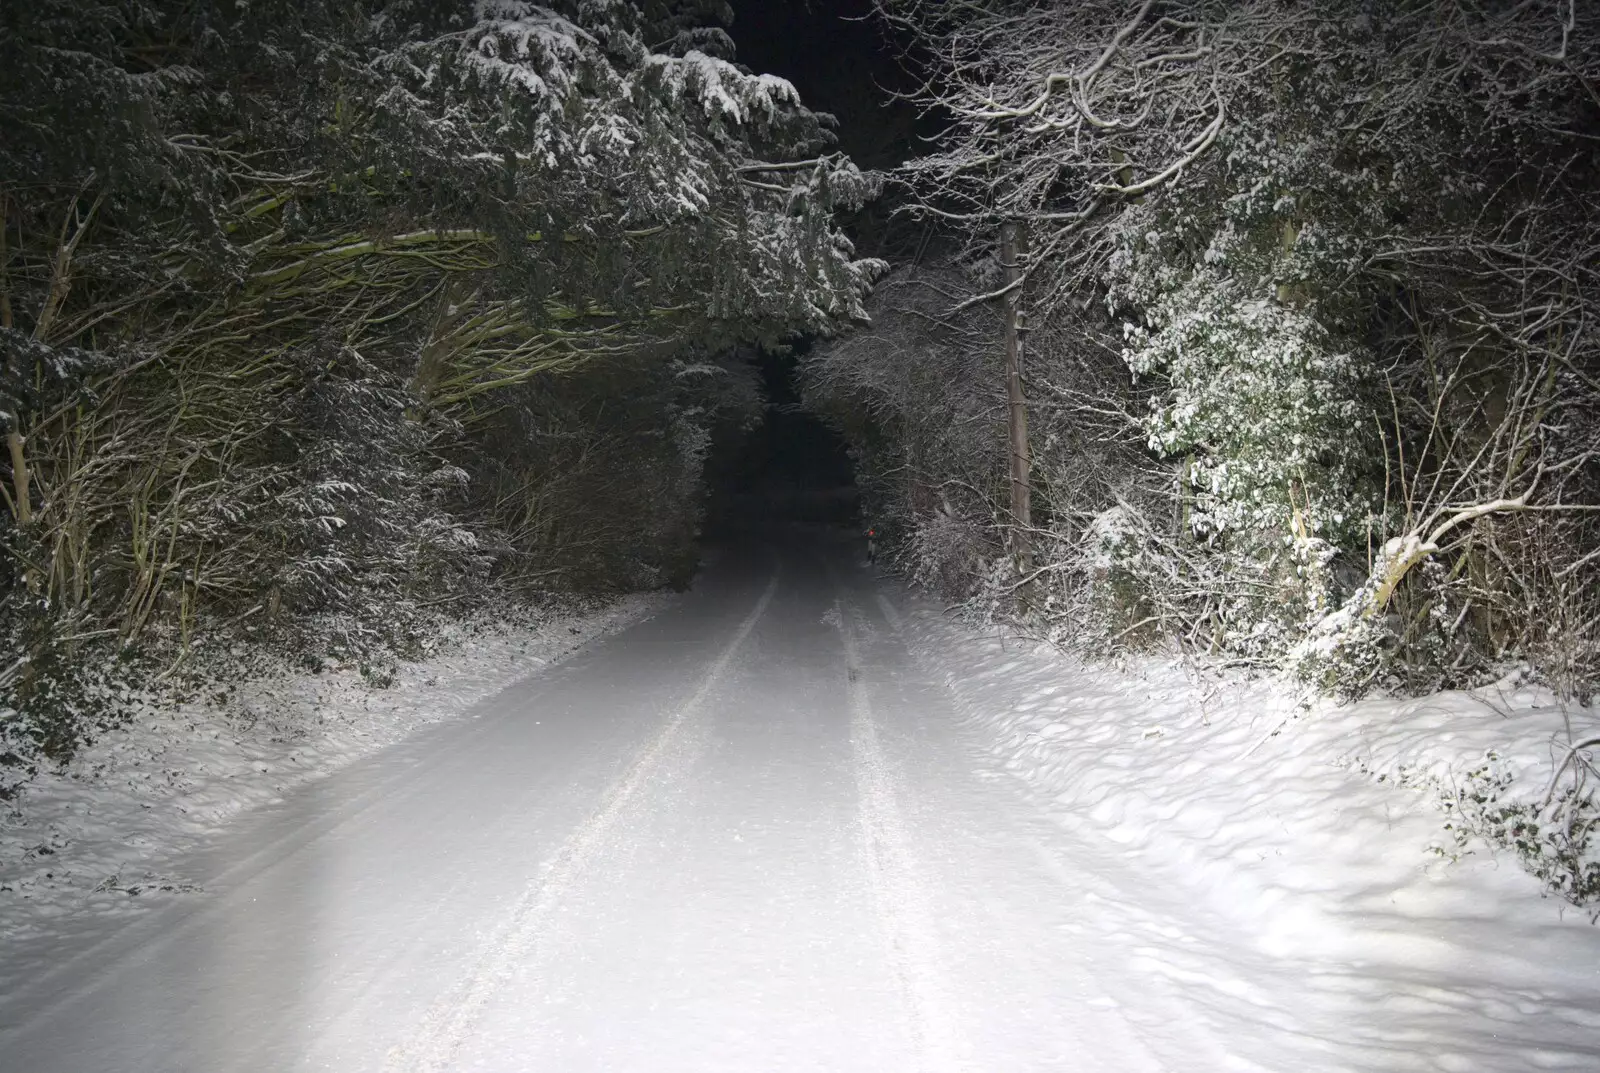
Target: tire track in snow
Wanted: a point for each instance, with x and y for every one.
(903, 905)
(451, 1020)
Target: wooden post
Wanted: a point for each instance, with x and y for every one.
(1017, 410)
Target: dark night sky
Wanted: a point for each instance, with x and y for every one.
(840, 62)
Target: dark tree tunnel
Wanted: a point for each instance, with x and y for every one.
(790, 468)
(794, 468)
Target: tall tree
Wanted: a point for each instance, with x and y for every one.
(276, 275)
(1349, 250)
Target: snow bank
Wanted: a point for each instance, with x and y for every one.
(78, 843)
(1319, 833)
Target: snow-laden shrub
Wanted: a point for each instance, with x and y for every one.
(1352, 248)
(1553, 838)
(1548, 822)
(1121, 602)
(1342, 656)
(948, 553)
(59, 690)
(1261, 405)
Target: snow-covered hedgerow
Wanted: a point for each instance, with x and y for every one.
(1307, 346)
(1346, 256)
(287, 290)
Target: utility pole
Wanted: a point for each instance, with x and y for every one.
(1017, 408)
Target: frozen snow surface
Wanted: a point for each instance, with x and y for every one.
(795, 820)
(1285, 873)
(106, 836)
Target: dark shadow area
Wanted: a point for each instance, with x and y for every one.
(791, 468)
(839, 59)
(794, 470)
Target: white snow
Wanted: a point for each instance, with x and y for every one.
(796, 820)
(91, 840)
(721, 88)
(1314, 836)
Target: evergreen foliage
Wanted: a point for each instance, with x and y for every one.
(1347, 255)
(317, 316)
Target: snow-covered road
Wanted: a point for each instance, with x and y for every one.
(738, 836)
(748, 834)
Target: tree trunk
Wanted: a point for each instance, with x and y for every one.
(1017, 410)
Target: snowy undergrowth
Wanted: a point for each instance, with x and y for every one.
(1510, 768)
(80, 839)
(1377, 841)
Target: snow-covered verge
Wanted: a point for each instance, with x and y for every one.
(1330, 836)
(80, 840)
